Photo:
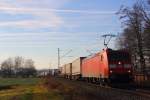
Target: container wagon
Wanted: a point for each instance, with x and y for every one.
(63, 71)
(76, 68)
(108, 66)
(68, 71)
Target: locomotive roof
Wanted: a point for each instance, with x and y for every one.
(106, 50)
(95, 54)
(78, 58)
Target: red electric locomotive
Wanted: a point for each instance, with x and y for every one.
(108, 66)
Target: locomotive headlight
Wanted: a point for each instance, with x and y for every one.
(129, 71)
(111, 71)
(119, 62)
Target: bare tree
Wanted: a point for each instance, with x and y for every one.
(18, 67)
(18, 64)
(29, 63)
(29, 68)
(7, 68)
(134, 22)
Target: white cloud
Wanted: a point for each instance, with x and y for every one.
(41, 19)
(44, 13)
(53, 22)
(16, 10)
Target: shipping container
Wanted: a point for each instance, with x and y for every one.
(68, 70)
(76, 68)
(54, 72)
(63, 70)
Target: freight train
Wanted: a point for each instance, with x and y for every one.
(106, 66)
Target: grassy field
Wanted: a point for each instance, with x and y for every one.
(51, 88)
(25, 89)
(18, 81)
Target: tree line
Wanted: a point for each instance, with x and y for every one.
(136, 32)
(18, 67)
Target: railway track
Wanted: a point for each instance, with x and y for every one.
(107, 92)
(137, 92)
(143, 92)
(134, 91)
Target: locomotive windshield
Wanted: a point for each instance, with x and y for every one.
(118, 56)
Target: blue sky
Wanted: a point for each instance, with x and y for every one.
(36, 28)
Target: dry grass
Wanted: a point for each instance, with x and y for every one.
(26, 90)
(75, 90)
(68, 90)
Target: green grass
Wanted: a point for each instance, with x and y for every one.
(18, 81)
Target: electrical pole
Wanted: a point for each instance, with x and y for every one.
(58, 57)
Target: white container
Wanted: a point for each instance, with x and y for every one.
(76, 66)
(68, 68)
(63, 70)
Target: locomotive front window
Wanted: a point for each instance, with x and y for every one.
(112, 65)
(127, 65)
(118, 56)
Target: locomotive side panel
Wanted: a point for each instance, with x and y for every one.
(96, 66)
(90, 67)
(104, 64)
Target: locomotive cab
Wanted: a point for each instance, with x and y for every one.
(120, 67)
